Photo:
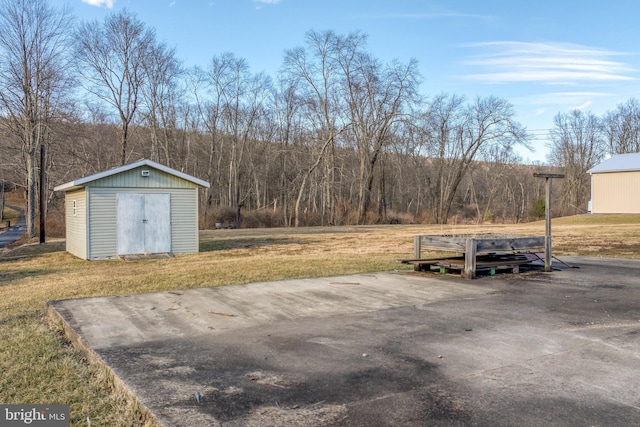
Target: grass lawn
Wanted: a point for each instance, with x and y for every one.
(39, 366)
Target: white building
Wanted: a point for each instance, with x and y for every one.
(139, 208)
(615, 185)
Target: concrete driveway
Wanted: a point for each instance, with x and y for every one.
(388, 349)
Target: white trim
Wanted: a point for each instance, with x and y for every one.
(81, 182)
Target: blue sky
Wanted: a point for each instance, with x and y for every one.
(544, 56)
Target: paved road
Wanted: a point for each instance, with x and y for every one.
(15, 231)
(404, 349)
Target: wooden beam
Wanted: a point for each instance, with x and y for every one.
(470, 259)
(417, 246)
(548, 175)
(548, 178)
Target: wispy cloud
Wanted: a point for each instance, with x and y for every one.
(100, 3)
(546, 63)
(261, 3)
(172, 4)
(582, 106)
(562, 100)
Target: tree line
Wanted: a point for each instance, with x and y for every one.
(337, 136)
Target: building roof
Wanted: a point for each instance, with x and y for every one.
(618, 163)
(81, 182)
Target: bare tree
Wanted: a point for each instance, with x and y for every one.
(491, 182)
(161, 98)
(378, 97)
(577, 144)
(232, 103)
(111, 56)
(34, 79)
(317, 69)
(287, 106)
(455, 133)
(622, 127)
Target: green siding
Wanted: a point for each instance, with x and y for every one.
(76, 225)
(103, 217)
(184, 221)
(134, 179)
(102, 223)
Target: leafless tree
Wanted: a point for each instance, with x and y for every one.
(622, 127)
(111, 56)
(491, 183)
(232, 103)
(317, 69)
(455, 133)
(34, 79)
(162, 98)
(409, 163)
(577, 144)
(286, 106)
(377, 96)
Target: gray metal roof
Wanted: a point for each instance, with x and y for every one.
(81, 182)
(618, 163)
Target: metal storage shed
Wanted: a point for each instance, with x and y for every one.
(615, 185)
(139, 208)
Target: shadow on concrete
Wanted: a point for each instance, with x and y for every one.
(386, 349)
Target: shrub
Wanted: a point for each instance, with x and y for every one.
(538, 208)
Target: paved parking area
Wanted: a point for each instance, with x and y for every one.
(387, 349)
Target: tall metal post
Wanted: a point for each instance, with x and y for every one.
(547, 216)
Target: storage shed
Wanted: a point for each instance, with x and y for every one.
(615, 185)
(139, 208)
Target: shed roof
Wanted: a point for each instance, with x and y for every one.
(618, 163)
(81, 182)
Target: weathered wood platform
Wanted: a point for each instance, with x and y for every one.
(475, 253)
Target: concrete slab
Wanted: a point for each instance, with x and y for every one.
(388, 349)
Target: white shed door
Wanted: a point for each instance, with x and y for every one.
(143, 223)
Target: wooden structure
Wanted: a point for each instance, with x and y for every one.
(474, 253)
(138, 208)
(615, 185)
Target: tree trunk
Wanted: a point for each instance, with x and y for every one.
(306, 177)
(123, 143)
(31, 193)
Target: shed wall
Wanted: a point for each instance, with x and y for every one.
(134, 179)
(184, 221)
(76, 223)
(615, 192)
(103, 217)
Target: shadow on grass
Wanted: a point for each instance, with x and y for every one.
(246, 243)
(8, 278)
(31, 250)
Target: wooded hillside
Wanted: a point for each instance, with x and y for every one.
(336, 137)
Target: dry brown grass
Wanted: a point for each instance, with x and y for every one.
(38, 366)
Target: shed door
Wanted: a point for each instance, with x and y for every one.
(144, 223)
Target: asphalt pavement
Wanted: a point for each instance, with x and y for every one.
(16, 230)
(387, 349)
